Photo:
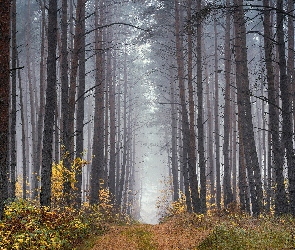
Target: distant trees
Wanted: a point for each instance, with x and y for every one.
(90, 77)
(242, 107)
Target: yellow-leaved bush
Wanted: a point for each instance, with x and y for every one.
(26, 225)
(60, 175)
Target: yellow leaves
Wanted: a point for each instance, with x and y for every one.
(179, 207)
(62, 175)
(26, 226)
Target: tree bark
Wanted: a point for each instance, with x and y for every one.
(200, 125)
(174, 167)
(4, 99)
(80, 105)
(97, 171)
(216, 114)
(13, 151)
(112, 168)
(46, 171)
(123, 176)
(228, 194)
(281, 205)
(36, 167)
(286, 105)
(245, 114)
(184, 117)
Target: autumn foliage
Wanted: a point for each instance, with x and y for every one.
(27, 225)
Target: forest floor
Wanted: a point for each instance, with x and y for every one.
(27, 226)
(199, 232)
(162, 236)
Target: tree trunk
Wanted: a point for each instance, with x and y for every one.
(243, 184)
(216, 114)
(112, 168)
(174, 166)
(200, 125)
(97, 171)
(46, 171)
(13, 151)
(281, 205)
(4, 99)
(245, 114)
(123, 176)
(286, 105)
(36, 167)
(80, 105)
(228, 194)
(118, 143)
(211, 170)
(184, 116)
(65, 136)
(24, 144)
(31, 90)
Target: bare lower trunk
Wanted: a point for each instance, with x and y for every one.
(46, 171)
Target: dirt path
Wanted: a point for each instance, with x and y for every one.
(147, 237)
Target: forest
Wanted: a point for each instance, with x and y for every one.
(137, 111)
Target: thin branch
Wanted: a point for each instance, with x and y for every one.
(117, 23)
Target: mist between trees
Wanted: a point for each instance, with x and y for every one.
(197, 92)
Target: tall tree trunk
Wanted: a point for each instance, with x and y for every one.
(80, 104)
(234, 130)
(24, 144)
(216, 114)
(174, 166)
(290, 63)
(118, 143)
(184, 113)
(31, 89)
(200, 125)
(192, 137)
(4, 99)
(281, 205)
(112, 100)
(64, 67)
(210, 145)
(228, 194)
(286, 105)
(46, 171)
(36, 167)
(244, 112)
(108, 79)
(13, 151)
(72, 92)
(123, 176)
(97, 171)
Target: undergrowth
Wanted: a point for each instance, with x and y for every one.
(27, 225)
(245, 232)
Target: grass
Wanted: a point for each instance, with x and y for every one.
(252, 233)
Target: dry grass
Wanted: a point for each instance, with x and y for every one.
(219, 230)
(184, 231)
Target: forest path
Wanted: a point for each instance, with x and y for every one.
(147, 237)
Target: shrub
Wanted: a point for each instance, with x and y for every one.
(26, 226)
